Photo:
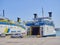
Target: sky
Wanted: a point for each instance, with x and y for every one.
(26, 8)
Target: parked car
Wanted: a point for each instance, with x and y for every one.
(17, 35)
(2, 35)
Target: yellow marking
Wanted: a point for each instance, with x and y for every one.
(5, 30)
(3, 21)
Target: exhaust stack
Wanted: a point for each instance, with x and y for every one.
(35, 15)
(18, 19)
(50, 14)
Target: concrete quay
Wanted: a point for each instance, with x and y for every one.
(30, 41)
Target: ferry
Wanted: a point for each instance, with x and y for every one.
(42, 26)
(9, 27)
(39, 26)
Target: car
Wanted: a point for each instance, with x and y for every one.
(17, 35)
(2, 35)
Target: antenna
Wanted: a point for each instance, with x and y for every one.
(42, 12)
(3, 13)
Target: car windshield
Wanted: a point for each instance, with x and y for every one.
(17, 34)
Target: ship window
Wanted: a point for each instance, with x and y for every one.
(18, 31)
(13, 31)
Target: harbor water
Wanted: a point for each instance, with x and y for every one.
(58, 33)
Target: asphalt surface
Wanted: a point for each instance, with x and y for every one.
(30, 41)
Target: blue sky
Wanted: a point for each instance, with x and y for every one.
(26, 8)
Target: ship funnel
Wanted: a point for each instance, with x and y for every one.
(35, 15)
(18, 19)
(50, 14)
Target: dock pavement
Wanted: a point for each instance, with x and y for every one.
(30, 41)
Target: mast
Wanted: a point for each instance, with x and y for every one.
(3, 13)
(42, 12)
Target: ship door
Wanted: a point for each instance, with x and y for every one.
(35, 30)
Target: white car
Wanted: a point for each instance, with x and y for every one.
(2, 35)
(17, 35)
